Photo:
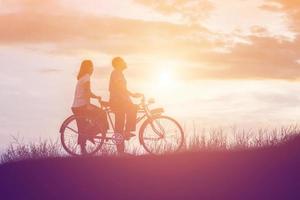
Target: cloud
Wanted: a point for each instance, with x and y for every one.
(110, 34)
(190, 10)
(289, 7)
(262, 58)
(49, 70)
(32, 5)
(206, 54)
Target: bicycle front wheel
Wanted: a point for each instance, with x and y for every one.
(161, 134)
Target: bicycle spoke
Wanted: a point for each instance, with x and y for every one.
(72, 129)
(157, 132)
(153, 139)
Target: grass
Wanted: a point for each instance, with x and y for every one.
(18, 150)
(197, 140)
(237, 139)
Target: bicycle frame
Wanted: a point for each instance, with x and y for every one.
(143, 108)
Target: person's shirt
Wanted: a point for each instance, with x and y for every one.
(82, 92)
(118, 87)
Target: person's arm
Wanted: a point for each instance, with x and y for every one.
(129, 93)
(135, 95)
(121, 84)
(94, 96)
(123, 87)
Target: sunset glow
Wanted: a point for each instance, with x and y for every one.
(166, 75)
(214, 62)
(150, 99)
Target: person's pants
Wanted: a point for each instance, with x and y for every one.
(91, 112)
(125, 118)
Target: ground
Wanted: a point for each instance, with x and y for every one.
(266, 173)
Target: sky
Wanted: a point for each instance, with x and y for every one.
(219, 63)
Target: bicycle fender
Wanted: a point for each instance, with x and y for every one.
(157, 111)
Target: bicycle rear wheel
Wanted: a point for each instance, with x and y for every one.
(161, 134)
(70, 134)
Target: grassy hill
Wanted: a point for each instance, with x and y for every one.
(264, 173)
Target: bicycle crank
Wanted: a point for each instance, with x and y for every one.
(117, 138)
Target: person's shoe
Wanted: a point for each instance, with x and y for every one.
(129, 135)
(91, 139)
(120, 148)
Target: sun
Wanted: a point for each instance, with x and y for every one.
(165, 77)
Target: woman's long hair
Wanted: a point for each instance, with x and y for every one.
(85, 68)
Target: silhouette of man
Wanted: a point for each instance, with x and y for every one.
(120, 102)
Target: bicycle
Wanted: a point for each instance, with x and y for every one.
(158, 133)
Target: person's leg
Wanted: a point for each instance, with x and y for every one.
(119, 121)
(81, 140)
(119, 128)
(131, 114)
(121, 148)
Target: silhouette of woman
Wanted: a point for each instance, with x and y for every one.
(81, 104)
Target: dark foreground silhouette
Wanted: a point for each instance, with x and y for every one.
(269, 173)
